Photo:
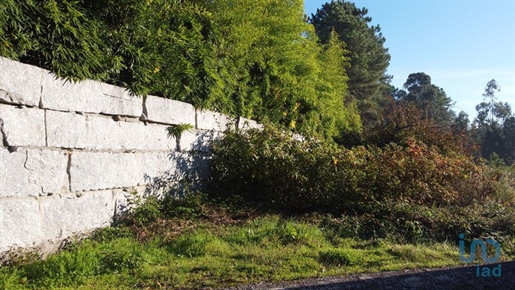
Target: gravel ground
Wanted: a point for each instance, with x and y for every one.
(439, 278)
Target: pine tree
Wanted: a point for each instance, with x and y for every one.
(369, 59)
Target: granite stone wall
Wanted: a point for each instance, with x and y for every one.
(70, 153)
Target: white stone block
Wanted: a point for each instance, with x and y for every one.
(201, 164)
(20, 83)
(96, 171)
(33, 172)
(118, 101)
(245, 124)
(155, 163)
(22, 126)
(159, 169)
(20, 223)
(121, 199)
(89, 96)
(168, 111)
(209, 120)
(67, 130)
(198, 140)
(187, 141)
(151, 137)
(71, 130)
(155, 166)
(66, 216)
(192, 166)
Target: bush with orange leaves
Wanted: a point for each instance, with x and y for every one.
(276, 172)
(408, 190)
(402, 120)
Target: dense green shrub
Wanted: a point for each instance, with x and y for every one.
(145, 210)
(166, 47)
(505, 185)
(412, 223)
(408, 191)
(271, 168)
(55, 35)
(13, 35)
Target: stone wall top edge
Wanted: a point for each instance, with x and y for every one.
(42, 87)
(86, 150)
(12, 73)
(212, 120)
(168, 111)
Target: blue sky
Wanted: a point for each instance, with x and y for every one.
(461, 44)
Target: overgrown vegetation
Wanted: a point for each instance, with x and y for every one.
(182, 254)
(322, 76)
(257, 59)
(194, 243)
(406, 190)
(279, 209)
(385, 179)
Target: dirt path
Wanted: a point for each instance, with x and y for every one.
(439, 278)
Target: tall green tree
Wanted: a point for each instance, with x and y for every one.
(339, 113)
(490, 112)
(257, 59)
(429, 98)
(509, 140)
(278, 71)
(461, 122)
(369, 59)
(493, 126)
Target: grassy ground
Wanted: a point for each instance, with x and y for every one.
(216, 252)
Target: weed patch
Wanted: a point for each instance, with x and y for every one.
(267, 248)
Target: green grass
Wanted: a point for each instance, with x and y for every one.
(267, 248)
